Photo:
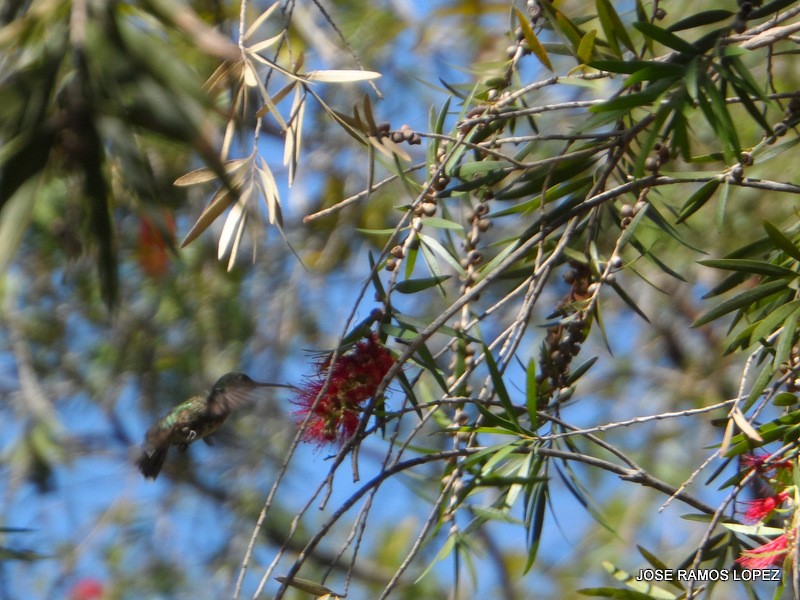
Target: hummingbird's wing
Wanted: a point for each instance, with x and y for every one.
(233, 391)
(222, 402)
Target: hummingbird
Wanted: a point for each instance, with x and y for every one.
(196, 419)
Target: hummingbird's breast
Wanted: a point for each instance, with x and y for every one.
(187, 431)
(189, 421)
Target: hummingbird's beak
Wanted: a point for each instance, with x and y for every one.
(287, 386)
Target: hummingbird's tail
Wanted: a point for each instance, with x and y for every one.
(151, 461)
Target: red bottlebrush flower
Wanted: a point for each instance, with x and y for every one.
(760, 508)
(769, 555)
(354, 378)
(758, 462)
(87, 589)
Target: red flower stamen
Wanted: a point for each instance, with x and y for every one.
(760, 464)
(760, 508)
(769, 555)
(354, 379)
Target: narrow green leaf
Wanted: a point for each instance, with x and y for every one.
(425, 358)
(666, 38)
(740, 340)
(380, 292)
(742, 300)
(500, 387)
(697, 200)
(437, 127)
(440, 223)
(656, 73)
(627, 299)
(744, 265)
(773, 321)
(622, 66)
(691, 78)
(408, 390)
(536, 510)
(705, 17)
(723, 124)
(430, 260)
(786, 340)
(564, 27)
(626, 236)
(751, 108)
(435, 246)
(769, 432)
(651, 138)
(758, 388)
(627, 101)
(655, 562)
(785, 399)
(680, 134)
(783, 243)
(726, 285)
(532, 394)
(577, 373)
(482, 166)
(412, 286)
(497, 422)
(722, 205)
(770, 8)
(778, 149)
(612, 26)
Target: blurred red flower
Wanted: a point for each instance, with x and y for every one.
(86, 589)
(153, 249)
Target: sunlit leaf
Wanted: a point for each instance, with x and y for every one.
(221, 201)
(263, 45)
(612, 26)
(306, 585)
(786, 340)
(388, 148)
(341, 76)
(205, 174)
(586, 47)
(262, 18)
(533, 42)
(294, 132)
(269, 190)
